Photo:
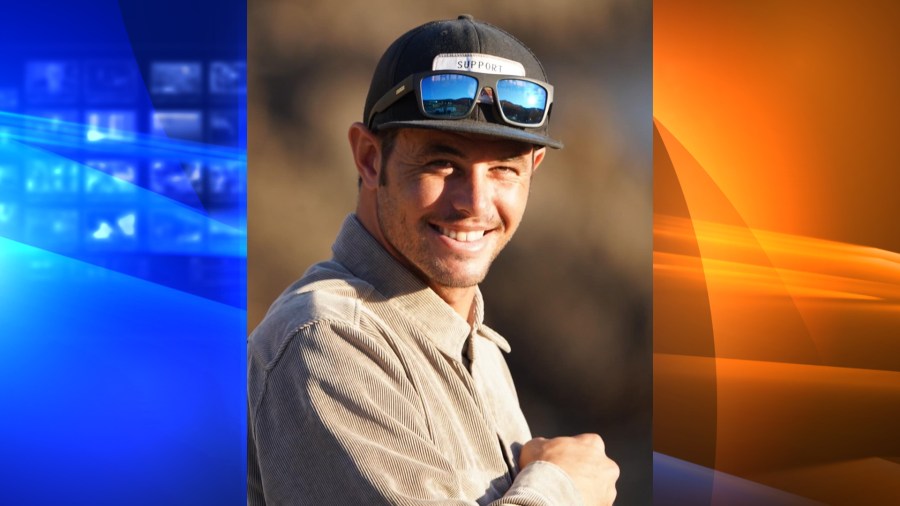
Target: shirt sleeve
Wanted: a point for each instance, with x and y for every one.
(334, 419)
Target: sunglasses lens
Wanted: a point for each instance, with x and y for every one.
(522, 101)
(448, 95)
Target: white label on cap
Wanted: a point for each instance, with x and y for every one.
(477, 62)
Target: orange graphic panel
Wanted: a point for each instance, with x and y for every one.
(776, 264)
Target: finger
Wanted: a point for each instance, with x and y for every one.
(591, 439)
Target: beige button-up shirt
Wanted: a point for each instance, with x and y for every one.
(366, 388)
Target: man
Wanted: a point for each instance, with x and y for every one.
(373, 380)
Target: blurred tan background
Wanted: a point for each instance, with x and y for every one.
(572, 291)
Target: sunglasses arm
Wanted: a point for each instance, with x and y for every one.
(393, 95)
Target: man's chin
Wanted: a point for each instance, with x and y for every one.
(457, 279)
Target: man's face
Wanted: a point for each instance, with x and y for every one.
(449, 202)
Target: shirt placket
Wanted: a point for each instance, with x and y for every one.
(479, 391)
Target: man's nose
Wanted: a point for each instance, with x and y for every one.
(472, 193)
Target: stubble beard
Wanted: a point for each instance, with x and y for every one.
(434, 270)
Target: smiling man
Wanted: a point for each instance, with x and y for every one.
(373, 379)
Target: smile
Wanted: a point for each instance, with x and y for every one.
(461, 235)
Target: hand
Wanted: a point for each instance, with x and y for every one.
(583, 458)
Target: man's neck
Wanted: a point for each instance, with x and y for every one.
(462, 300)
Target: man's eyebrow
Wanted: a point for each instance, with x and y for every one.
(446, 149)
(517, 156)
(441, 149)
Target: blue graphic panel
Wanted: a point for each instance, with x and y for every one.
(123, 252)
(124, 145)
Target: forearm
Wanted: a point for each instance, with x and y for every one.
(541, 484)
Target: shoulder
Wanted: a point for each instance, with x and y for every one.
(327, 295)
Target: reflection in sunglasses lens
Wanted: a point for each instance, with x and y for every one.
(448, 95)
(522, 101)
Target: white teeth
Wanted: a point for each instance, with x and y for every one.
(473, 235)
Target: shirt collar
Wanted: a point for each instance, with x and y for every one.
(482, 329)
(364, 256)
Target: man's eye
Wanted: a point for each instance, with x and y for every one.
(440, 165)
(506, 170)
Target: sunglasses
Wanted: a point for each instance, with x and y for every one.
(522, 102)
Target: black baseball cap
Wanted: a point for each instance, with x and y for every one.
(419, 49)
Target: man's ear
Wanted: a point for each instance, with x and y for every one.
(538, 157)
(366, 150)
